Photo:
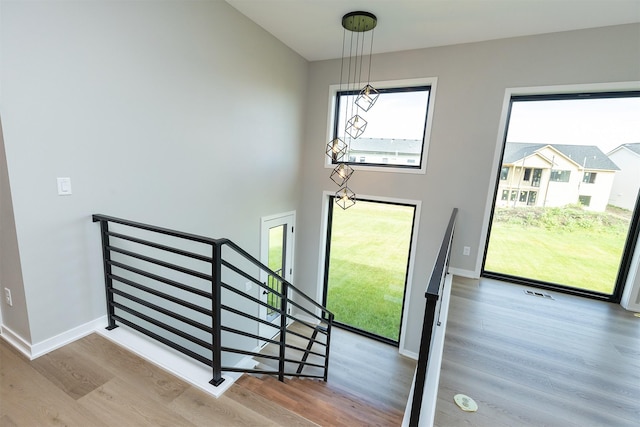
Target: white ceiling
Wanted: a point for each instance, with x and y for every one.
(313, 27)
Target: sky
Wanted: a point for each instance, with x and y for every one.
(606, 123)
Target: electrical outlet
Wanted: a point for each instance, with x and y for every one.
(7, 297)
(466, 250)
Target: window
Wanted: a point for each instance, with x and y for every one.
(504, 173)
(527, 174)
(397, 123)
(589, 178)
(560, 176)
(505, 194)
(514, 194)
(584, 200)
(532, 198)
(523, 196)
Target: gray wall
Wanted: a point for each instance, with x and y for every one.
(472, 79)
(180, 114)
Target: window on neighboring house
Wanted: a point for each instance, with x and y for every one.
(523, 196)
(527, 174)
(385, 160)
(532, 198)
(589, 178)
(505, 194)
(560, 175)
(504, 173)
(514, 194)
(584, 200)
(396, 123)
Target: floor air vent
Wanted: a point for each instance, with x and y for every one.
(537, 294)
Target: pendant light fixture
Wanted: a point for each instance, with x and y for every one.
(358, 24)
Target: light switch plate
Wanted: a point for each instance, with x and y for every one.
(64, 186)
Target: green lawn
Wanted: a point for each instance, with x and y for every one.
(368, 261)
(568, 246)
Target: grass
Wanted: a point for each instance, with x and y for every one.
(567, 246)
(368, 261)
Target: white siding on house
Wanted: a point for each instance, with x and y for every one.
(627, 180)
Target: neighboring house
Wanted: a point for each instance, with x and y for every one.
(552, 175)
(624, 192)
(386, 151)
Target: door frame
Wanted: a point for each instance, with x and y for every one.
(631, 248)
(322, 258)
(266, 223)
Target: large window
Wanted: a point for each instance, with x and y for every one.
(395, 131)
(577, 232)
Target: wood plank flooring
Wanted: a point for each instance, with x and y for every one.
(533, 361)
(527, 361)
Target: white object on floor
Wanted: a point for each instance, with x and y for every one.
(465, 403)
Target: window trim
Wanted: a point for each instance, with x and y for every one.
(387, 84)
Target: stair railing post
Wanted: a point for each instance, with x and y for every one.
(216, 317)
(283, 329)
(108, 282)
(327, 347)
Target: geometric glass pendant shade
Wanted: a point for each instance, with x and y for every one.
(341, 174)
(336, 149)
(345, 198)
(367, 97)
(356, 126)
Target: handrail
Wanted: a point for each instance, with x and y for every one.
(431, 318)
(164, 307)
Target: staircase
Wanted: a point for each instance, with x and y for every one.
(322, 402)
(206, 298)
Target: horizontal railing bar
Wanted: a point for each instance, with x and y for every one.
(165, 231)
(254, 261)
(160, 324)
(247, 296)
(163, 340)
(187, 254)
(241, 272)
(162, 295)
(295, 304)
(248, 316)
(161, 263)
(263, 372)
(313, 340)
(170, 282)
(247, 334)
(304, 350)
(264, 356)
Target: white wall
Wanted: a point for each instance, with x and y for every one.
(624, 192)
(472, 79)
(180, 114)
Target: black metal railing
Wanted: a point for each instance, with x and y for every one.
(202, 297)
(431, 318)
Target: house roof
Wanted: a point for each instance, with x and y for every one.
(386, 145)
(589, 156)
(634, 147)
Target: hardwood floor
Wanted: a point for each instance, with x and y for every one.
(534, 361)
(527, 361)
(93, 382)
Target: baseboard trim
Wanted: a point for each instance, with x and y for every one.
(16, 341)
(469, 274)
(60, 340)
(170, 360)
(33, 351)
(409, 354)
